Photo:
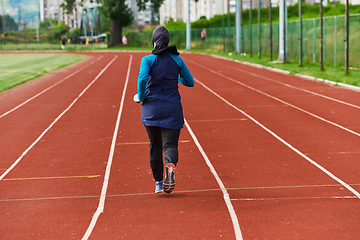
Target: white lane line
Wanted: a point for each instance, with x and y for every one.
(57, 119)
(293, 198)
(284, 142)
(297, 88)
(229, 205)
(279, 100)
(47, 89)
(100, 208)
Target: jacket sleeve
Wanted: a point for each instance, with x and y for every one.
(185, 77)
(143, 77)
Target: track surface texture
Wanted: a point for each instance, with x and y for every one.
(263, 155)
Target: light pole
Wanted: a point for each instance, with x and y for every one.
(238, 25)
(188, 29)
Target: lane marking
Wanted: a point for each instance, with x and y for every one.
(301, 89)
(219, 120)
(226, 197)
(279, 100)
(183, 191)
(304, 90)
(139, 143)
(55, 121)
(332, 153)
(47, 89)
(100, 208)
(284, 142)
(42, 178)
(293, 198)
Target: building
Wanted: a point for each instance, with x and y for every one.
(178, 9)
(141, 18)
(50, 9)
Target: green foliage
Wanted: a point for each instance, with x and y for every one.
(48, 23)
(59, 30)
(68, 5)
(114, 10)
(155, 4)
(8, 23)
(175, 25)
(201, 23)
(74, 33)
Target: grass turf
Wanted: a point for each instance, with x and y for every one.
(335, 74)
(16, 69)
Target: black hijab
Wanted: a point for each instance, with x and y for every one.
(160, 39)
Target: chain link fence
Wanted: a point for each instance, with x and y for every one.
(224, 39)
(34, 39)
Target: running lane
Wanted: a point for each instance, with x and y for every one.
(276, 192)
(53, 191)
(195, 210)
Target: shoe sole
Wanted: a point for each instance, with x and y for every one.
(169, 183)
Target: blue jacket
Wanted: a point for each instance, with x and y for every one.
(158, 89)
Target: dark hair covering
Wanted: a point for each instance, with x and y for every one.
(160, 40)
(160, 37)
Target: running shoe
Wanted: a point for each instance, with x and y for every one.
(159, 187)
(169, 183)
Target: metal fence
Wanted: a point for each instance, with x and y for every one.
(35, 40)
(224, 39)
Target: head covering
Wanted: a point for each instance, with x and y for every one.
(160, 38)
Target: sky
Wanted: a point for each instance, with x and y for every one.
(29, 10)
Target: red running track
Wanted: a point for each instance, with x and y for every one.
(263, 155)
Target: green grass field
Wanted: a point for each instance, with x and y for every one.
(16, 69)
(335, 74)
(50, 46)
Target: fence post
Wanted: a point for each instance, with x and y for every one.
(347, 38)
(229, 30)
(291, 38)
(335, 40)
(250, 28)
(324, 39)
(271, 44)
(314, 41)
(306, 39)
(321, 37)
(300, 33)
(259, 34)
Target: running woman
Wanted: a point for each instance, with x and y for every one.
(161, 107)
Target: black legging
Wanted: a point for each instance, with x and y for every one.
(162, 139)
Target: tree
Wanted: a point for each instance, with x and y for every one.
(8, 23)
(116, 11)
(119, 14)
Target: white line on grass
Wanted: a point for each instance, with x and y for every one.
(282, 101)
(229, 205)
(284, 142)
(100, 208)
(47, 89)
(57, 119)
